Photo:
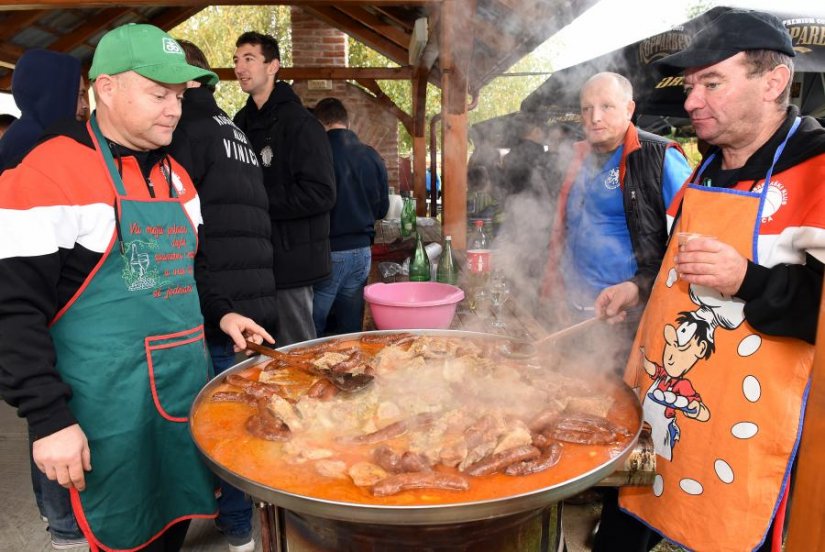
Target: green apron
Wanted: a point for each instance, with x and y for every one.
(130, 344)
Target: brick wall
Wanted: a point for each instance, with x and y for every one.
(316, 44)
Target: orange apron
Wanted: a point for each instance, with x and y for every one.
(723, 401)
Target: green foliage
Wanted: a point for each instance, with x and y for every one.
(399, 91)
(504, 94)
(698, 8)
(501, 96)
(215, 29)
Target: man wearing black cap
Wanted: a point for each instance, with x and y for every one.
(103, 343)
(759, 192)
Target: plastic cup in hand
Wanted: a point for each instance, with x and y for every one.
(684, 237)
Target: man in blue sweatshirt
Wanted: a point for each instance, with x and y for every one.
(362, 198)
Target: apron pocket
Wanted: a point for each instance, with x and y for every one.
(178, 368)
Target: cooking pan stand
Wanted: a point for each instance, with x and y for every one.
(273, 527)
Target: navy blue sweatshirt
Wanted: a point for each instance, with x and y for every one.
(45, 86)
(362, 198)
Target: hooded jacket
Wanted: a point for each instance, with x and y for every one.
(45, 87)
(234, 265)
(361, 178)
(300, 181)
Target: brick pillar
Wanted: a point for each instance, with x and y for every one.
(316, 44)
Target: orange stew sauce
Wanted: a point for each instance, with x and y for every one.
(219, 430)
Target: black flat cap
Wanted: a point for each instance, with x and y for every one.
(732, 32)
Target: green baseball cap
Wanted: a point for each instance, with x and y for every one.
(148, 51)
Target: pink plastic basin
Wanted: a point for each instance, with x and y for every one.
(412, 305)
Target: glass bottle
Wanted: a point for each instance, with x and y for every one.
(408, 217)
(478, 266)
(420, 264)
(478, 250)
(446, 272)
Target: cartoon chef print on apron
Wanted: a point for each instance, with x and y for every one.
(688, 342)
(724, 402)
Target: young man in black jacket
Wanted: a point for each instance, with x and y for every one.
(361, 178)
(293, 150)
(234, 263)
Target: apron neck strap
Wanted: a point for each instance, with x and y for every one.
(780, 149)
(102, 145)
(776, 155)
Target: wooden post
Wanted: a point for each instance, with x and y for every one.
(454, 173)
(456, 42)
(419, 137)
(807, 530)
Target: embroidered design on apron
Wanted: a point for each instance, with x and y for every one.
(131, 345)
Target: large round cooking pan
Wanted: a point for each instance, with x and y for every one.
(412, 515)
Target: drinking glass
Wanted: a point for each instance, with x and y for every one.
(499, 292)
(476, 298)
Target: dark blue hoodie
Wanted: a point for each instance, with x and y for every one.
(362, 191)
(45, 87)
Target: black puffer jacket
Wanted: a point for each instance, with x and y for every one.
(234, 266)
(299, 178)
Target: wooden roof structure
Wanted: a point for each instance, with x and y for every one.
(466, 44)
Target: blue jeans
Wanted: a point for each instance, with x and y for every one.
(53, 502)
(234, 507)
(338, 304)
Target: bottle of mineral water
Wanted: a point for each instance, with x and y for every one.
(420, 264)
(446, 272)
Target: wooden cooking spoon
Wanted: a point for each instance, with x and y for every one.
(521, 348)
(266, 351)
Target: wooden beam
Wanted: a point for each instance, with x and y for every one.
(431, 50)
(391, 14)
(419, 134)
(345, 23)
(14, 21)
(386, 101)
(419, 167)
(419, 101)
(69, 4)
(88, 29)
(173, 17)
(553, 14)
(10, 53)
(331, 73)
(372, 21)
(806, 530)
(456, 52)
(456, 46)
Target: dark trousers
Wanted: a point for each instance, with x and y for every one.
(234, 507)
(53, 502)
(620, 532)
(171, 540)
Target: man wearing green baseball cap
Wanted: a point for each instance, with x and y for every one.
(103, 350)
